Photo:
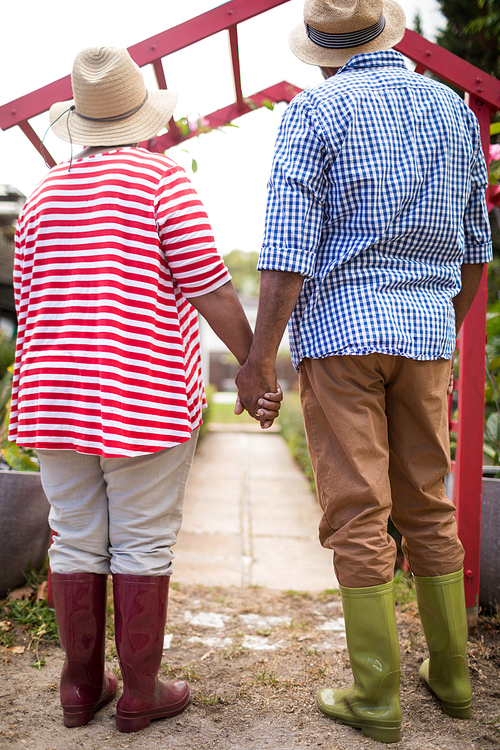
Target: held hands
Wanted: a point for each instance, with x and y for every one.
(269, 406)
(259, 394)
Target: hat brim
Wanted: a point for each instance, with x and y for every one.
(144, 124)
(313, 54)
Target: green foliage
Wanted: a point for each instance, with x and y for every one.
(293, 430)
(224, 414)
(473, 32)
(404, 589)
(19, 459)
(7, 353)
(493, 723)
(491, 446)
(243, 268)
(417, 23)
(208, 700)
(37, 617)
(207, 413)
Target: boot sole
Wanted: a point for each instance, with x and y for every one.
(381, 733)
(458, 710)
(136, 722)
(78, 716)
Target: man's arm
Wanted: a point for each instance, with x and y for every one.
(223, 312)
(471, 277)
(279, 291)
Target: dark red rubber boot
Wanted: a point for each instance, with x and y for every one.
(80, 601)
(140, 618)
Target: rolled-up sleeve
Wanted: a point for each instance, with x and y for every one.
(477, 236)
(296, 194)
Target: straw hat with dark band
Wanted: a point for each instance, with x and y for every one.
(112, 106)
(333, 31)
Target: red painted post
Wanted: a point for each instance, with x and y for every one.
(467, 486)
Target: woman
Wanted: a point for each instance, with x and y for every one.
(114, 257)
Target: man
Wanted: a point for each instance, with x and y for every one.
(376, 236)
(114, 257)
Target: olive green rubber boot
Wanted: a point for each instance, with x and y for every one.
(372, 702)
(441, 603)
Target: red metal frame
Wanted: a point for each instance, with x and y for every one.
(482, 93)
(150, 52)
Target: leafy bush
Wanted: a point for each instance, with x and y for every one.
(491, 445)
(293, 430)
(7, 354)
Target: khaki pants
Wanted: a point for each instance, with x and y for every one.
(377, 429)
(115, 515)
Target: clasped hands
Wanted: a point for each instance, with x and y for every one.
(259, 394)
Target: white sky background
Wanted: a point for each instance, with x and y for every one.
(41, 40)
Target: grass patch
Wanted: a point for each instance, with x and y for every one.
(297, 594)
(31, 613)
(36, 618)
(208, 700)
(224, 414)
(404, 588)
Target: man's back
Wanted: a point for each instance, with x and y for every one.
(383, 171)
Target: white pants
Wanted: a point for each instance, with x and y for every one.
(115, 515)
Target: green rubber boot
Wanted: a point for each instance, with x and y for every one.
(372, 702)
(441, 603)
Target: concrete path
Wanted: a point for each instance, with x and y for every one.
(250, 517)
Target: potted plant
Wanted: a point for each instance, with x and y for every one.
(24, 509)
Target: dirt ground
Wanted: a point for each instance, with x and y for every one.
(254, 660)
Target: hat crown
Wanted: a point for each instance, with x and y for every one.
(106, 82)
(342, 16)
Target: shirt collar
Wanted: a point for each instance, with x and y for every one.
(366, 60)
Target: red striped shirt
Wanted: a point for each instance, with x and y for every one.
(108, 355)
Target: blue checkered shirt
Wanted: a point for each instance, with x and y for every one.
(376, 197)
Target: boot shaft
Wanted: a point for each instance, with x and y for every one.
(80, 602)
(372, 702)
(441, 603)
(372, 636)
(140, 620)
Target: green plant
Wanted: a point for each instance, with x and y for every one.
(491, 446)
(264, 677)
(208, 700)
(298, 594)
(36, 616)
(7, 353)
(293, 431)
(404, 589)
(20, 459)
(493, 723)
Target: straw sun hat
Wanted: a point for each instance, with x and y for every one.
(333, 31)
(112, 106)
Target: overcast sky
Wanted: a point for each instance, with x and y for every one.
(41, 39)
